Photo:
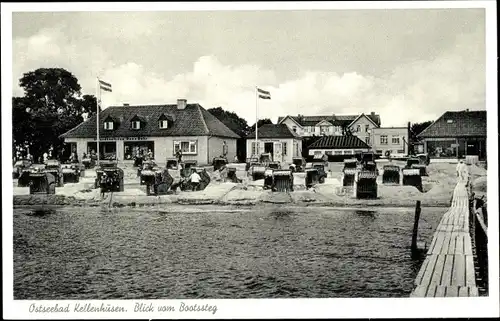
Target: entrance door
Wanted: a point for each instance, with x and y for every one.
(269, 148)
(472, 148)
(277, 152)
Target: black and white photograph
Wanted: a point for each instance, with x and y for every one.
(170, 158)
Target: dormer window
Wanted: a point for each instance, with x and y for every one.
(163, 124)
(108, 125)
(136, 124)
(165, 121)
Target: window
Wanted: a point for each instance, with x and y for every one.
(367, 140)
(401, 151)
(108, 125)
(284, 148)
(254, 148)
(348, 152)
(358, 128)
(136, 124)
(328, 152)
(294, 128)
(383, 140)
(163, 124)
(132, 149)
(317, 152)
(449, 121)
(367, 128)
(186, 147)
(338, 152)
(324, 129)
(378, 151)
(395, 140)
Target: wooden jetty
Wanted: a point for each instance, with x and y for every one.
(448, 269)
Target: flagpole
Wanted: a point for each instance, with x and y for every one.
(98, 101)
(256, 121)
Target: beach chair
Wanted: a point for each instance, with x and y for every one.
(391, 174)
(282, 180)
(411, 177)
(365, 185)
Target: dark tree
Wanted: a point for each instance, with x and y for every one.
(51, 106)
(417, 128)
(261, 122)
(231, 120)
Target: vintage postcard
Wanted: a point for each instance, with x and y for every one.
(250, 160)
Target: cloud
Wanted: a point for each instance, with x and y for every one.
(415, 91)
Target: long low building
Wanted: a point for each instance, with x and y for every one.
(456, 134)
(338, 145)
(161, 129)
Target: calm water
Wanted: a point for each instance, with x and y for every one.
(264, 252)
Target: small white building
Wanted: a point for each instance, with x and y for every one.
(392, 139)
(278, 140)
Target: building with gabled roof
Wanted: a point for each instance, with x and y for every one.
(162, 129)
(338, 145)
(277, 139)
(359, 125)
(456, 134)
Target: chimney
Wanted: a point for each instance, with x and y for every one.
(126, 104)
(372, 113)
(467, 110)
(181, 103)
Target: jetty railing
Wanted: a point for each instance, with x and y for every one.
(448, 269)
(479, 234)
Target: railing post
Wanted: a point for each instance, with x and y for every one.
(415, 228)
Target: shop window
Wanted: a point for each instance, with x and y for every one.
(444, 148)
(133, 149)
(186, 147)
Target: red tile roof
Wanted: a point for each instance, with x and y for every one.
(338, 142)
(194, 120)
(457, 124)
(274, 131)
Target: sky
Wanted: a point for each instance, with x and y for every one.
(406, 65)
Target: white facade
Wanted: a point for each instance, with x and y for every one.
(283, 149)
(200, 148)
(362, 127)
(394, 139)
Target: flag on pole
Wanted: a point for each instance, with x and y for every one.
(104, 85)
(263, 94)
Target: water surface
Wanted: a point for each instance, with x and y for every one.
(265, 252)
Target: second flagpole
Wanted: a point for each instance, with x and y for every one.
(98, 98)
(256, 121)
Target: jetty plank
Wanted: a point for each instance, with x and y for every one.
(452, 291)
(470, 275)
(447, 270)
(440, 291)
(463, 291)
(438, 270)
(429, 270)
(458, 277)
(421, 273)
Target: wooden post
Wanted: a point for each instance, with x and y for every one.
(415, 228)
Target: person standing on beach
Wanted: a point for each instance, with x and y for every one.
(462, 170)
